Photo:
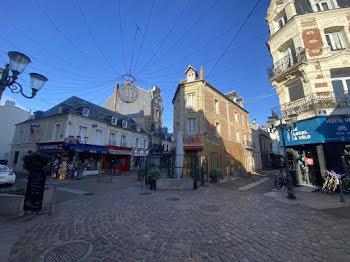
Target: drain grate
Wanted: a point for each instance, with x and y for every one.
(145, 193)
(209, 208)
(69, 252)
(172, 199)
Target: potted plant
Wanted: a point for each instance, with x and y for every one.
(215, 174)
(154, 174)
(140, 174)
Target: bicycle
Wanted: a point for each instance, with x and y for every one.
(280, 180)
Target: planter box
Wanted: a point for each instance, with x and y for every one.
(174, 184)
(12, 205)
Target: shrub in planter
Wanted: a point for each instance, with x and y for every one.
(215, 174)
(154, 174)
(35, 161)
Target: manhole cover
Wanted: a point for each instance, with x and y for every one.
(172, 199)
(145, 193)
(209, 208)
(69, 252)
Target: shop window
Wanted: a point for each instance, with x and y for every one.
(296, 90)
(191, 126)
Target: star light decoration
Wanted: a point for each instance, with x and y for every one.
(128, 92)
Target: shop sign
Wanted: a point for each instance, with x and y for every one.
(88, 149)
(94, 125)
(319, 130)
(119, 152)
(322, 112)
(309, 161)
(49, 147)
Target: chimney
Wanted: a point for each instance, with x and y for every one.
(202, 73)
(115, 97)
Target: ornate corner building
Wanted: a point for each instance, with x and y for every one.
(310, 47)
(215, 126)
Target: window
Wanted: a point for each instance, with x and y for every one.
(217, 128)
(123, 141)
(167, 148)
(236, 117)
(82, 132)
(322, 5)
(137, 143)
(191, 100)
(112, 139)
(216, 108)
(15, 159)
(214, 160)
(138, 129)
(340, 82)
(60, 109)
(157, 113)
(21, 136)
(57, 131)
(124, 124)
(238, 136)
(144, 144)
(98, 137)
(86, 112)
(244, 139)
(335, 41)
(289, 55)
(191, 126)
(282, 20)
(243, 121)
(114, 121)
(296, 91)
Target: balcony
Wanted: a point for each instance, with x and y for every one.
(314, 102)
(193, 143)
(287, 62)
(248, 144)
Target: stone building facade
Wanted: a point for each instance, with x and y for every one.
(309, 45)
(215, 126)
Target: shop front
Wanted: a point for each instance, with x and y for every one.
(318, 144)
(139, 158)
(117, 159)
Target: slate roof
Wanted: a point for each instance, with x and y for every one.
(75, 105)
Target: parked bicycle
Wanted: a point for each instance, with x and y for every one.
(332, 181)
(280, 180)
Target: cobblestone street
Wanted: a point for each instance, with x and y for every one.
(209, 224)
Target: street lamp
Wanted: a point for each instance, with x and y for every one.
(17, 64)
(287, 126)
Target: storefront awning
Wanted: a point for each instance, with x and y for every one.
(140, 152)
(88, 149)
(116, 150)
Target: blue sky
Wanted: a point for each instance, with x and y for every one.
(77, 45)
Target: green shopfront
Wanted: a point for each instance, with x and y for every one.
(318, 144)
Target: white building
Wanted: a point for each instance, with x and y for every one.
(10, 115)
(107, 139)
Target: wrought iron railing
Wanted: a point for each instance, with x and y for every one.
(314, 102)
(193, 140)
(287, 62)
(248, 144)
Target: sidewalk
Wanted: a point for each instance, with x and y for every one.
(317, 200)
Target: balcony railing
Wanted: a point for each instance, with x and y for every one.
(112, 142)
(248, 144)
(123, 144)
(193, 140)
(287, 62)
(314, 102)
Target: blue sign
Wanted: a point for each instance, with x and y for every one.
(319, 130)
(322, 112)
(94, 125)
(88, 149)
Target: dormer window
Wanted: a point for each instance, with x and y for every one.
(138, 128)
(124, 124)
(282, 20)
(323, 5)
(86, 112)
(114, 121)
(60, 109)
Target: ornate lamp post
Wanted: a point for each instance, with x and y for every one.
(16, 65)
(287, 126)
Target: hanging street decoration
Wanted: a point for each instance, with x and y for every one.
(128, 92)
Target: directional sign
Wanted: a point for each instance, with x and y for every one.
(309, 161)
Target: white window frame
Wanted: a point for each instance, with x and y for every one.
(101, 140)
(216, 106)
(85, 112)
(54, 138)
(191, 102)
(114, 121)
(318, 7)
(138, 128)
(282, 21)
(217, 128)
(115, 137)
(191, 130)
(87, 131)
(124, 124)
(331, 36)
